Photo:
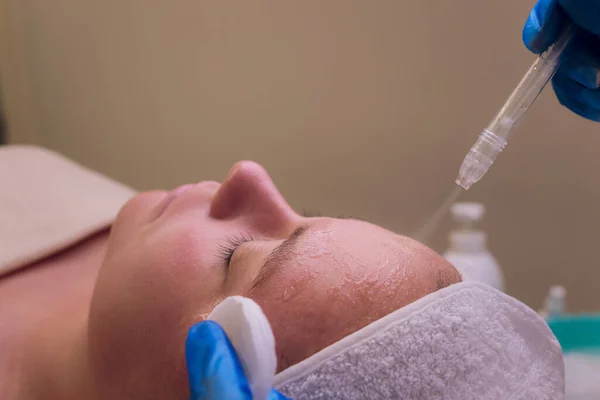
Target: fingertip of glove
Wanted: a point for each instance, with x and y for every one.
(205, 330)
(203, 337)
(545, 22)
(531, 34)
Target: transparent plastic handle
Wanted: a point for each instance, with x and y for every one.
(532, 84)
(493, 139)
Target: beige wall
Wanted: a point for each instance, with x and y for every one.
(363, 108)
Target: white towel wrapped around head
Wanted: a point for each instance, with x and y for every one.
(467, 341)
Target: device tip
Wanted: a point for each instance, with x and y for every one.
(463, 182)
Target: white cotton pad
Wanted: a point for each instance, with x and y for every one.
(252, 338)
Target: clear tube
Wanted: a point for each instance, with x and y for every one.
(493, 139)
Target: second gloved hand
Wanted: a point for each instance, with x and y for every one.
(577, 81)
(215, 372)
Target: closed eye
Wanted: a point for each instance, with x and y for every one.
(275, 258)
(227, 249)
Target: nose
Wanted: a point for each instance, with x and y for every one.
(248, 192)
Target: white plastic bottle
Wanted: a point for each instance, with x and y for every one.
(555, 302)
(468, 251)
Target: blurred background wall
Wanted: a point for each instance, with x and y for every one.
(362, 108)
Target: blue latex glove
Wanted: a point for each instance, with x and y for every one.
(214, 369)
(577, 81)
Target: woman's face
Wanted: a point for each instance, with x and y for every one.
(173, 256)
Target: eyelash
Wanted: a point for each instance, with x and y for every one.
(226, 250)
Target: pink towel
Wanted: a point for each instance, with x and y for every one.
(48, 203)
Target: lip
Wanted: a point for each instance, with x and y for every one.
(172, 195)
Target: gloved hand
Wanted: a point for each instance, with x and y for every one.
(215, 372)
(577, 81)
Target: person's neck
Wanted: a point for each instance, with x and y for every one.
(43, 325)
(55, 363)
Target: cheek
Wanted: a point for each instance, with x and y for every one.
(307, 308)
(149, 291)
(161, 273)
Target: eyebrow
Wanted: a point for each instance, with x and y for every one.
(277, 256)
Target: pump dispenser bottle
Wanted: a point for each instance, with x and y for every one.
(468, 251)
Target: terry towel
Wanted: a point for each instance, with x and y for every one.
(466, 341)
